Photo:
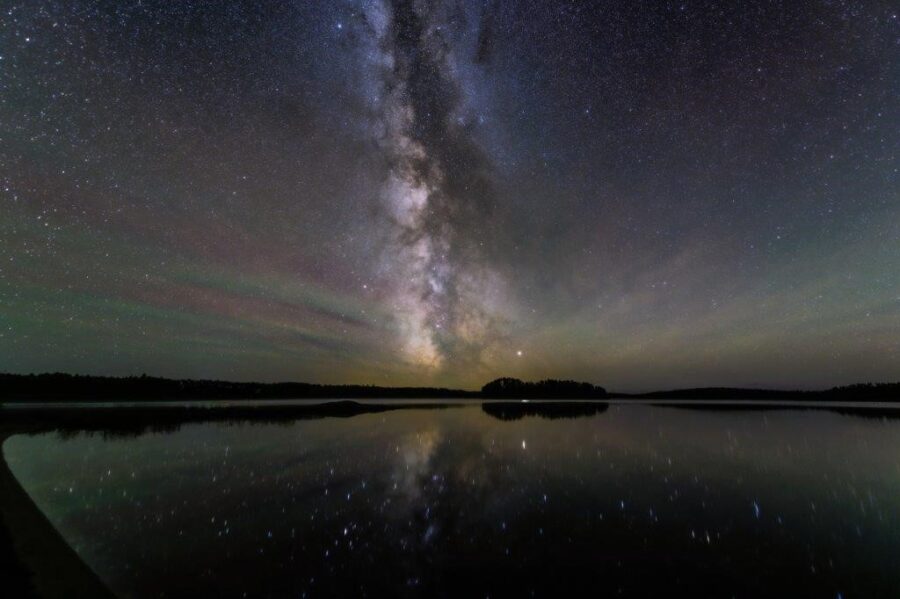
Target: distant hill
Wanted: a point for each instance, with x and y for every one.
(63, 387)
(858, 392)
(68, 387)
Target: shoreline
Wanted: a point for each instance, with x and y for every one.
(349, 406)
(61, 387)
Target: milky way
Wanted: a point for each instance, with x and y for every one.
(438, 193)
(641, 194)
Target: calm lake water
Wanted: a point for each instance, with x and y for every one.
(480, 501)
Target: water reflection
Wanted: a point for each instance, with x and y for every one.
(503, 410)
(489, 500)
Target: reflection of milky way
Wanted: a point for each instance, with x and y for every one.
(457, 503)
(438, 189)
(439, 480)
(414, 458)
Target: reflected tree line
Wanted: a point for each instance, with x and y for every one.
(133, 421)
(114, 422)
(551, 399)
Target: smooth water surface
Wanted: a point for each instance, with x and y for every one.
(483, 501)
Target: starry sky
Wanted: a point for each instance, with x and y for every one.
(425, 192)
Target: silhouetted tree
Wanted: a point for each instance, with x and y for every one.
(510, 388)
(58, 386)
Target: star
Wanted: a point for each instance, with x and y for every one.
(268, 197)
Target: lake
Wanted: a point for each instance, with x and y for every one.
(481, 500)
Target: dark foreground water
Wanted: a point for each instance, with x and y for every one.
(478, 501)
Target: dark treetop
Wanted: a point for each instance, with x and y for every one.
(64, 387)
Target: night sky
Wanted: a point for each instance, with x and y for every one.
(641, 195)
